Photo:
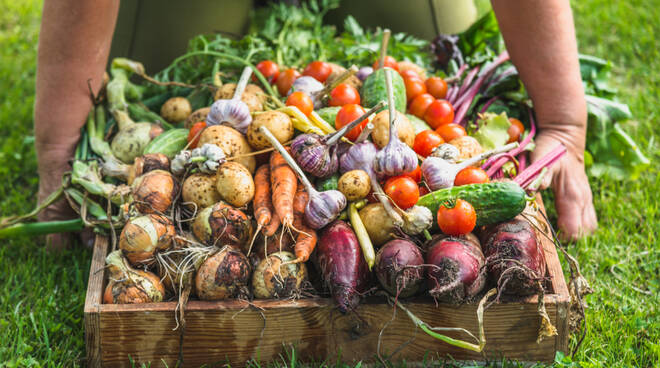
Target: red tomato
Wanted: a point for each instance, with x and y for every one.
(302, 101)
(347, 114)
(269, 69)
(195, 132)
(344, 94)
(426, 141)
(409, 73)
(423, 190)
(389, 62)
(437, 87)
(402, 190)
(471, 175)
(414, 87)
(415, 175)
(319, 70)
(419, 105)
(449, 132)
(515, 130)
(458, 220)
(285, 80)
(439, 112)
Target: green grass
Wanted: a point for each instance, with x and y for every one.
(42, 295)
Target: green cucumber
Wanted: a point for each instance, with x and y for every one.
(329, 183)
(374, 90)
(329, 114)
(417, 123)
(493, 202)
(169, 143)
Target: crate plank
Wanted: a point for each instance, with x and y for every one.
(234, 331)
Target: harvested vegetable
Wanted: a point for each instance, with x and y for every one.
(154, 191)
(234, 183)
(143, 236)
(222, 224)
(223, 275)
(278, 276)
(232, 143)
(457, 217)
(283, 185)
(399, 268)
(142, 165)
(342, 265)
(176, 109)
(468, 147)
(130, 286)
(381, 133)
(277, 122)
(306, 238)
(456, 266)
(199, 190)
(196, 116)
(378, 223)
(354, 184)
(132, 137)
(234, 112)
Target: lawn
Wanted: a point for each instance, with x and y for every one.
(42, 294)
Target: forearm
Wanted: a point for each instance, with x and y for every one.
(540, 37)
(74, 44)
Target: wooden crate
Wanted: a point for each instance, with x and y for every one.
(235, 332)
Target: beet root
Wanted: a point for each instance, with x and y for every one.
(514, 256)
(342, 266)
(399, 268)
(455, 271)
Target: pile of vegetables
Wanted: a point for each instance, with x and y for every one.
(295, 163)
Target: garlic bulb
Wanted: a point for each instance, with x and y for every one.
(447, 152)
(416, 220)
(233, 113)
(207, 158)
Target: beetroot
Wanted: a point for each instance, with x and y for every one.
(455, 271)
(342, 266)
(399, 268)
(514, 256)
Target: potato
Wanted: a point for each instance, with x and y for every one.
(381, 133)
(378, 223)
(200, 189)
(407, 65)
(467, 147)
(231, 141)
(338, 70)
(355, 184)
(277, 122)
(176, 109)
(196, 116)
(253, 96)
(234, 183)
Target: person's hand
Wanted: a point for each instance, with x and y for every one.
(573, 198)
(53, 163)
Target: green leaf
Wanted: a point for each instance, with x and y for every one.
(492, 130)
(353, 27)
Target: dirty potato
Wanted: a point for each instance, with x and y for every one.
(234, 183)
(354, 184)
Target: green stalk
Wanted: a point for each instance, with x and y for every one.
(362, 235)
(87, 176)
(93, 208)
(42, 228)
(95, 131)
(140, 113)
(52, 198)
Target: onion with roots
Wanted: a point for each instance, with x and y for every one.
(399, 268)
(222, 224)
(278, 277)
(154, 192)
(143, 236)
(130, 286)
(223, 275)
(142, 165)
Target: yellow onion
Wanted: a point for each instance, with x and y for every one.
(154, 191)
(143, 236)
(130, 286)
(222, 224)
(278, 277)
(223, 275)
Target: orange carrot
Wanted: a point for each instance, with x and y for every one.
(283, 184)
(261, 203)
(306, 239)
(273, 225)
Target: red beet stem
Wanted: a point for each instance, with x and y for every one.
(527, 176)
(497, 164)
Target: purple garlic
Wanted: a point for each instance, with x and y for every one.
(233, 113)
(364, 72)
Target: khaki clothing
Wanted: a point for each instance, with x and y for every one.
(155, 32)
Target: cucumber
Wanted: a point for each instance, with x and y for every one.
(329, 114)
(169, 143)
(329, 183)
(493, 202)
(417, 123)
(374, 90)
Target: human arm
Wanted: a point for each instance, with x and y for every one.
(74, 44)
(540, 37)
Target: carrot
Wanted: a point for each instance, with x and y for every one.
(283, 185)
(306, 239)
(273, 225)
(262, 197)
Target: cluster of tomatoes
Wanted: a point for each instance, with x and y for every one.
(426, 100)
